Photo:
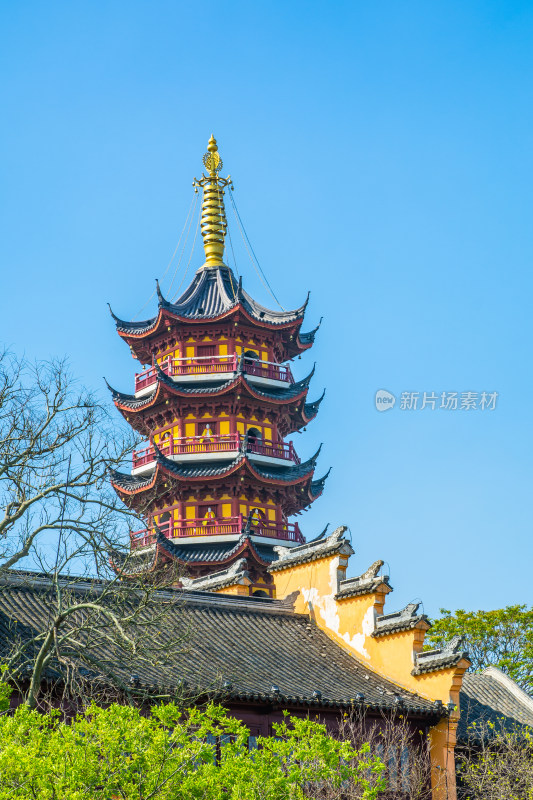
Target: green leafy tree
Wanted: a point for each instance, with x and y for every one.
(169, 754)
(502, 638)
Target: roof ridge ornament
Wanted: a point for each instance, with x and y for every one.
(213, 219)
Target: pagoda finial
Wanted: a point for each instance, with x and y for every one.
(213, 220)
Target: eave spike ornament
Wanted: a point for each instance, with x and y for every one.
(213, 220)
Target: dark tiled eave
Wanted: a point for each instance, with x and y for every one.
(321, 547)
(367, 588)
(445, 657)
(219, 553)
(246, 646)
(493, 701)
(406, 625)
(446, 662)
(292, 475)
(213, 294)
(292, 393)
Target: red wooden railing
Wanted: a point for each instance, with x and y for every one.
(267, 369)
(209, 365)
(200, 365)
(215, 444)
(289, 532)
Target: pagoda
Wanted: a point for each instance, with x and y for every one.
(216, 481)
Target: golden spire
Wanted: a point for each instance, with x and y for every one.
(213, 219)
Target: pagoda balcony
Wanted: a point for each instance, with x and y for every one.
(215, 448)
(223, 528)
(215, 368)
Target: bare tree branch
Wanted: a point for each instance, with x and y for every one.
(59, 515)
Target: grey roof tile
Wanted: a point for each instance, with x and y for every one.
(213, 292)
(283, 394)
(221, 551)
(492, 697)
(440, 658)
(366, 583)
(207, 469)
(403, 620)
(250, 643)
(320, 547)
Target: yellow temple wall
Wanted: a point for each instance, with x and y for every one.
(313, 587)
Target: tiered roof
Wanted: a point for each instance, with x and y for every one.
(216, 306)
(242, 466)
(291, 398)
(213, 296)
(203, 556)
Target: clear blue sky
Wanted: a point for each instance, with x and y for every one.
(382, 159)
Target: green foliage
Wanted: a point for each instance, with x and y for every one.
(502, 638)
(5, 691)
(119, 753)
(499, 763)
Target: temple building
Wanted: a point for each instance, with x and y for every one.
(217, 481)
(219, 485)
(272, 622)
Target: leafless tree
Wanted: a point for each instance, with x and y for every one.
(403, 748)
(59, 516)
(496, 761)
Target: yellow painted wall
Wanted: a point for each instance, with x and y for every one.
(350, 621)
(237, 589)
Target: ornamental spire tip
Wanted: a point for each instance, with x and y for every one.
(213, 219)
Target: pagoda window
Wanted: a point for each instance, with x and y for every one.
(257, 515)
(206, 350)
(207, 430)
(207, 513)
(254, 436)
(251, 355)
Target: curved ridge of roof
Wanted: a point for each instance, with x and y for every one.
(311, 409)
(142, 326)
(130, 399)
(288, 474)
(309, 336)
(317, 486)
(195, 469)
(215, 291)
(212, 292)
(205, 469)
(128, 482)
(262, 313)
